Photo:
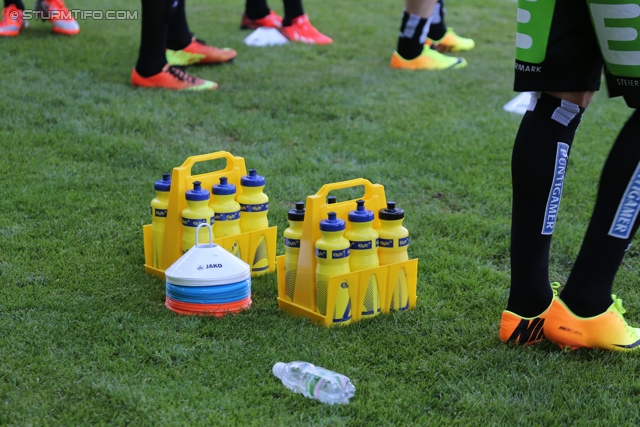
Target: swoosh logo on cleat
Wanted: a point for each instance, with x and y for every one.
(528, 331)
(628, 346)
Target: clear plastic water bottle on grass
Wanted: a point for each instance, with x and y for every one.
(315, 382)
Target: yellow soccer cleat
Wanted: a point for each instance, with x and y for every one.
(606, 331)
(429, 59)
(451, 42)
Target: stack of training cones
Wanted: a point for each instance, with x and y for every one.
(208, 281)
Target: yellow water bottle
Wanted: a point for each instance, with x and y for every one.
(363, 239)
(393, 246)
(292, 237)
(332, 257)
(254, 207)
(197, 212)
(254, 203)
(226, 212)
(159, 209)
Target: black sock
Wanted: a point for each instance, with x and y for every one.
(538, 165)
(292, 9)
(612, 226)
(156, 15)
(16, 3)
(179, 36)
(413, 34)
(438, 28)
(256, 9)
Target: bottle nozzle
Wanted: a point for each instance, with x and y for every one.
(360, 204)
(197, 185)
(332, 216)
(331, 200)
(224, 180)
(300, 206)
(391, 206)
(166, 176)
(253, 172)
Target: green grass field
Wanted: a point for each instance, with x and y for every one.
(84, 334)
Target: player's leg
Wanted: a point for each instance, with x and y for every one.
(554, 62)
(445, 38)
(587, 314)
(12, 20)
(411, 52)
(152, 69)
(296, 26)
(184, 49)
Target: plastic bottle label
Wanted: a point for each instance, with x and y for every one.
(321, 253)
(403, 242)
(367, 244)
(261, 207)
(340, 253)
(295, 243)
(187, 222)
(386, 243)
(161, 213)
(227, 216)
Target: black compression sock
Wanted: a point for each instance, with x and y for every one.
(413, 34)
(256, 9)
(156, 15)
(16, 3)
(292, 9)
(179, 36)
(438, 27)
(538, 166)
(612, 226)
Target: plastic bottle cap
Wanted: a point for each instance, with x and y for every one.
(391, 213)
(361, 214)
(163, 184)
(224, 188)
(332, 223)
(198, 193)
(297, 214)
(253, 179)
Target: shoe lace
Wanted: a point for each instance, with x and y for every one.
(555, 286)
(181, 75)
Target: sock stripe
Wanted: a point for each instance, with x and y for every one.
(566, 112)
(553, 201)
(628, 208)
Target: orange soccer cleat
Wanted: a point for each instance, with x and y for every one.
(198, 52)
(272, 20)
(61, 19)
(302, 31)
(12, 21)
(606, 331)
(172, 78)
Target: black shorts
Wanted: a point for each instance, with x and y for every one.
(559, 48)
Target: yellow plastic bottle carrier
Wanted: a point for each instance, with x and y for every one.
(304, 296)
(243, 245)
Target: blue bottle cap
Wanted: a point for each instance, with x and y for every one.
(391, 213)
(198, 193)
(253, 179)
(361, 214)
(297, 214)
(332, 223)
(163, 184)
(224, 188)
